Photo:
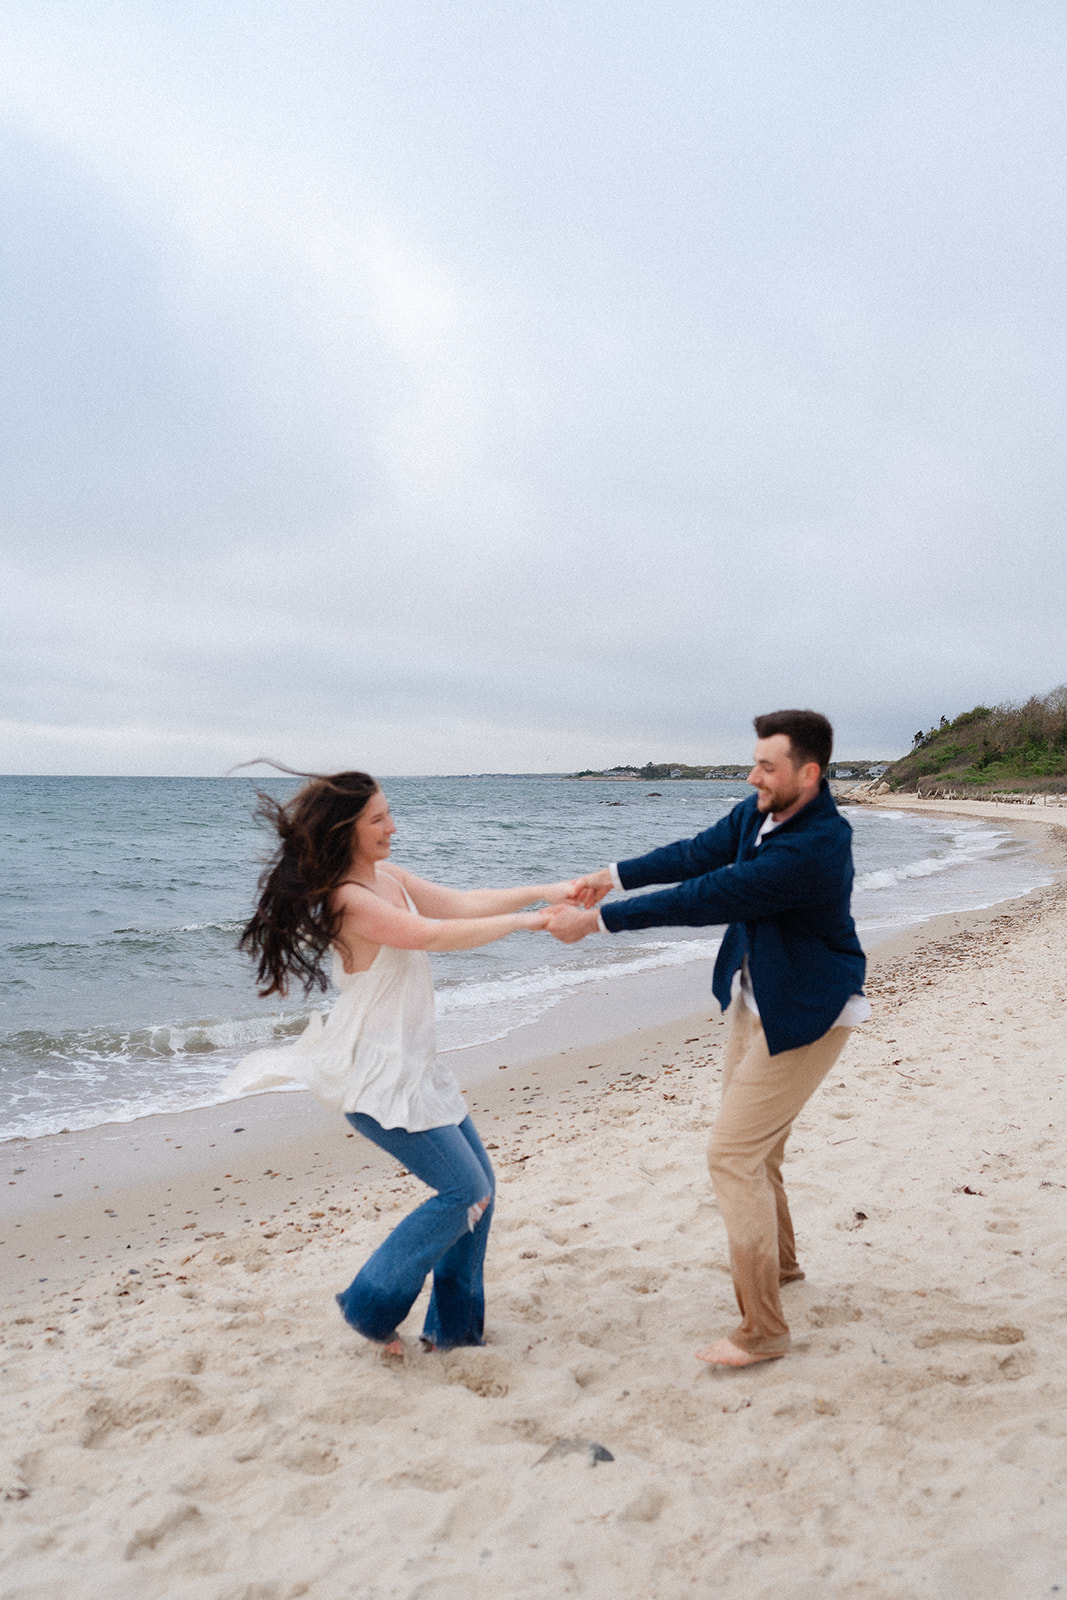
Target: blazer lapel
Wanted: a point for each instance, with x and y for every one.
(747, 843)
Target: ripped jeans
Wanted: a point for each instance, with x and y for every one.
(447, 1235)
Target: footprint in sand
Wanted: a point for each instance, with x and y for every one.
(438, 1475)
(162, 1520)
(309, 1500)
(645, 1506)
(630, 1199)
(984, 1367)
(316, 1460)
(834, 1316)
(477, 1370)
(152, 1404)
(587, 1373)
(648, 1281)
(1003, 1333)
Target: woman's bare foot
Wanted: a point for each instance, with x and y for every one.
(724, 1353)
(393, 1349)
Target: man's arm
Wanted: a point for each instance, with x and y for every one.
(686, 858)
(785, 875)
(734, 893)
(672, 863)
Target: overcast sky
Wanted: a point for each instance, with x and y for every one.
(483, 385)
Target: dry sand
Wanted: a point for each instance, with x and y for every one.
(186, 1416)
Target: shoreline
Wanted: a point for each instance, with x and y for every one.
(78, 1201)
(599, 1005)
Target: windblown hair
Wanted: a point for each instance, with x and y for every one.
(292, 927)
(809, 733)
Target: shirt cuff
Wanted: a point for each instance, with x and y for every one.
(613, 868)
(601, 924)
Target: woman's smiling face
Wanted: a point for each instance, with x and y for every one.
(372, 835)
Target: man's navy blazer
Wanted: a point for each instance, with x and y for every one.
(787, 903)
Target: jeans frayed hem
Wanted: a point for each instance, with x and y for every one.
(374, 1335)
(431, 1344)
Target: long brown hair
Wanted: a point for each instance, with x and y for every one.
(292, 927)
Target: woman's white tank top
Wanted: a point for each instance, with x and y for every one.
(376, 1051)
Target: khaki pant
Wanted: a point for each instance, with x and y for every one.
(761, 1096)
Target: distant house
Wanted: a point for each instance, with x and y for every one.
(844, 772)
(676, 772)
(877, 770)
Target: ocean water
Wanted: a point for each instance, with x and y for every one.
(122, 991)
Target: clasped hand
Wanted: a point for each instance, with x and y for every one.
(589, 890)
(571, 918)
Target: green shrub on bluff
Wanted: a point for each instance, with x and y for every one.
(1023, 745)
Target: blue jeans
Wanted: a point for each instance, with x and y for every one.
(446, 1235)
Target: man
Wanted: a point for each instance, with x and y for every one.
(790, 973)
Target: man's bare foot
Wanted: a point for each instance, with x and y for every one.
(393, 1350)
(724, 1353)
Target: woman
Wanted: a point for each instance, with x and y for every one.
(374, 1057)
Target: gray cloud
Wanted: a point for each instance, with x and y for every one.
(452, 391)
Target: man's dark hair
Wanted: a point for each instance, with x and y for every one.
(810, 735)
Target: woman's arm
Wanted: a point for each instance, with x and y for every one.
(435, 900)
(368, 917)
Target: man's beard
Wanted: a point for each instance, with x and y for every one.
(782, 802)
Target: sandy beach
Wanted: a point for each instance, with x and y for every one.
(185, 1415)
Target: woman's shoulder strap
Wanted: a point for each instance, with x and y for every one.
(403, 890)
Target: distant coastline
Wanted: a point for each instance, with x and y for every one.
(730, 772)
